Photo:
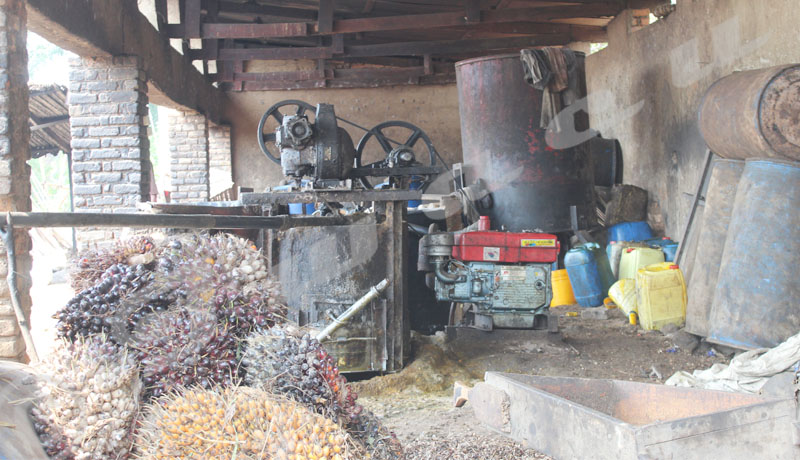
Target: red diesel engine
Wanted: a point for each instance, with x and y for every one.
(495, 279)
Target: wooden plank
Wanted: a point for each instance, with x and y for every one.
(298, 75)
(161, 14)
(404, 72)
(266, 54)
(337, 43)
(424, 21)
(368, 6)
(286, 29)
(444, 47)
(406, 22)
(278, 85)
(48, 122)
(191, 19)
(353, 82)
(498, 30)
(386, 23)
(212, 13)
(325, 17)
(384, 61)
(472, 13)
(267, 10)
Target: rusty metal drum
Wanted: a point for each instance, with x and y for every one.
(756, 298)
(754, 114)
(533, 185)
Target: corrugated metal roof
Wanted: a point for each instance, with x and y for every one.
(49, 119)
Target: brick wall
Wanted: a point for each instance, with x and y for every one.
(14, 171)
(110, 151)
(188, 148)
(220, 170)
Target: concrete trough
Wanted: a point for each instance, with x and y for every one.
(573, 418)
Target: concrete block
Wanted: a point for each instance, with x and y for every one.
(103, 109)
(106, 200)
(101, 86)
(104, 131)
(78, 143)
(133, 152)
(8, 326)
(87, 120)
(492, 406)
(6, 309)
(123, 73)
(126, 141)
(81, 98)
(11, 347)
(130, 130)
(594, 313)
(128, 107)
(106, 177)
(86, 189)
(123, 96)
(90, 166)
(126, 165)
(102, 154)
(123, 189)
(125, 119)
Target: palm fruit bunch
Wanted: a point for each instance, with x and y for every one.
(239, 422)
(247, 312)
(377, 440)
(88, 401)
(285, 361)
(97, 309)
(184, 347)
(91, 265)
(234, 262)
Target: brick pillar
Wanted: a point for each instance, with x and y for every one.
(110, 149)
(15, 184)
(220, 169)
(188, 150)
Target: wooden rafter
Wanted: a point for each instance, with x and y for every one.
(413, 44)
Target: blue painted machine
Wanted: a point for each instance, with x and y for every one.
(493, 279)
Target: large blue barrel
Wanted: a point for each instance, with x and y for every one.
(630, 231)
(757, 298)
(717, 211)
(589, 273)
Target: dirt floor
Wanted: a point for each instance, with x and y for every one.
(417, 402)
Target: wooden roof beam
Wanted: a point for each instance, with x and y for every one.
(385, 23)
(435, 48)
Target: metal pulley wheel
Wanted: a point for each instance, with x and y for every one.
(266, 140)
(394, 153)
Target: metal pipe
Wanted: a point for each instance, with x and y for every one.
(13, 290)
(444, 276)
(91, 219)
(373, 293)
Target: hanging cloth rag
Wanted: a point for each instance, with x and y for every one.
(537, 70)
(553, 71)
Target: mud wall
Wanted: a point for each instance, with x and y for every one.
(432, 108)
(646, 86)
